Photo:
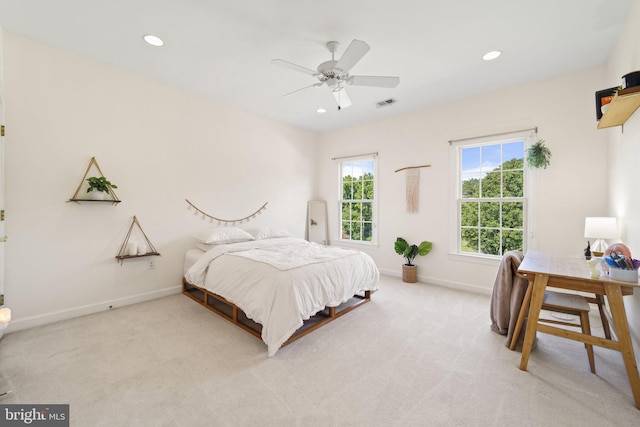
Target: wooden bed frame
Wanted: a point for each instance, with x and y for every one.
(235, 315)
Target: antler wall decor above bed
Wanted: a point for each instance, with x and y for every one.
(226, 221)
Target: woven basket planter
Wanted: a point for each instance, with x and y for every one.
(409, 273)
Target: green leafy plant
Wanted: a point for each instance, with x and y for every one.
(99, 184)
(409, 252)
(538, 155)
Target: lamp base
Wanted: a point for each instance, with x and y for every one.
(598, 247)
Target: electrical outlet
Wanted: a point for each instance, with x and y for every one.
(1, 299)
(152, 265)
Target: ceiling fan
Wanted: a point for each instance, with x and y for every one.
(335, 73)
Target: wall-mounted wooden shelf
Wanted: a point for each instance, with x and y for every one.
(121, 257)
(624, 104)
(113, 202)
(123, 253)
(113, 199)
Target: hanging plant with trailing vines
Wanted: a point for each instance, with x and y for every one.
(538, 155)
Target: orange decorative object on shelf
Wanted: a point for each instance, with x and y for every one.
(607, 100)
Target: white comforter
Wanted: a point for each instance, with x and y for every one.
(302, 279)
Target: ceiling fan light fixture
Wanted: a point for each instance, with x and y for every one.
(153, 40)
(333, 84)
(335, 73)
(489, 56)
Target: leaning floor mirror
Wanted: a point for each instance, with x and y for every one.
(317, 230)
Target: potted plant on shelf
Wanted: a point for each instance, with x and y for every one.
(98, 186)
(409, 252)
(538, 155)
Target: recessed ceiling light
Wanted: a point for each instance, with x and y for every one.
(153, 40)
(321, 110)
(491, 55)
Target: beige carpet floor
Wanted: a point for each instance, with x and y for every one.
(417, 355)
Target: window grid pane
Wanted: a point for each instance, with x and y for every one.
(491, 204)
(356, 210)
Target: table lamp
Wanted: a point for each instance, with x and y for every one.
(600, 228)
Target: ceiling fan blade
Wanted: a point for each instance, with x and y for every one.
(306, 87)
(354, 53)
(376, 81)
(342, 99)
(294, 67)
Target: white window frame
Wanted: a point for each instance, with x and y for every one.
(456, 158)
(374, 202)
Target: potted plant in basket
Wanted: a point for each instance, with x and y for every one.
(98, 186)
(409, 252)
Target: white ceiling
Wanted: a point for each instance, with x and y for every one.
(223, 48)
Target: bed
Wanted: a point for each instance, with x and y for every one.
(278, 289)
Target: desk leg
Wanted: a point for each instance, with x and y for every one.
(539, 285)
(521, 316)
(614, 295)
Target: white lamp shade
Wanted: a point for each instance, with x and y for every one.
(600, 227)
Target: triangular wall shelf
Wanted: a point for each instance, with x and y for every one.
(86, 198)
(130, 249)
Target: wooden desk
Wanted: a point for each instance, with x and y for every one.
(546, 269)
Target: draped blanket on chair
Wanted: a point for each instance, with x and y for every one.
(507, 296)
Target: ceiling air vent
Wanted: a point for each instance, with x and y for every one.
(386, 102)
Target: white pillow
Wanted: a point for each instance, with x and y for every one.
(268, 232)
(222, 235)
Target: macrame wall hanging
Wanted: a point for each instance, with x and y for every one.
(413, 187)
(212, 218)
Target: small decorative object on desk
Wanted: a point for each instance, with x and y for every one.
(594, 267)
(622, 267)
(587, 251)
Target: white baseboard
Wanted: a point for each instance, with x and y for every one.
(47, 318)
(56, 316)
(441, 282)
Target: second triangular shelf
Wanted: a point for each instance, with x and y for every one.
(127, 251)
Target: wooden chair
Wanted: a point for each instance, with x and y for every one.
(558, 302)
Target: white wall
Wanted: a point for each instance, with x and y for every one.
(570, 189)
(159, 145)
(624, 152)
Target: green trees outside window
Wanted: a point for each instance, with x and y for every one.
(492, 203)
(357, 200)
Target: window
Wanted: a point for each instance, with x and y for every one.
(358, 200)
(491, 196)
